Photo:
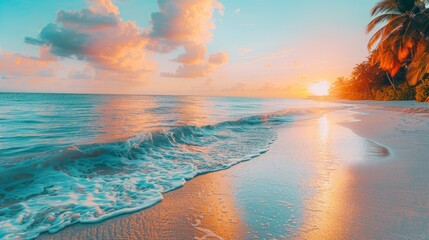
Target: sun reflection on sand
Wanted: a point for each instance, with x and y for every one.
(323, 129)
(217, 212)
(327, 214)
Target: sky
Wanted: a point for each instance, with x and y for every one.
(260, 48)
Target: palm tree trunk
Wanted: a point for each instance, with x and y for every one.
(391, 82)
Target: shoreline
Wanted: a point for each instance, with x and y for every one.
(289, 194)
(174, 217)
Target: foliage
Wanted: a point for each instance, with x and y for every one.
(422, 91)
(403, 40)
(402, 92)
(364, 79)
(399, 57)
(418, 68)
(368, 82)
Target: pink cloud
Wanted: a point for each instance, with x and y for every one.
(190, 71)
(200, 69)
(187, 24)
(181, 22)
(105, 6)
(99, 36)
(117, 49)
(194, 54)
(219, 58)
(46, 55)
(15, 65)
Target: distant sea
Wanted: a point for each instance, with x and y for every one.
(68, 158)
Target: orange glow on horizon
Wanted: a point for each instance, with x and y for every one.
(319, 88)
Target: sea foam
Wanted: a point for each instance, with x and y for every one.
(90, 183)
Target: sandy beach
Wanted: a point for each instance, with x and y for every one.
(356, 173)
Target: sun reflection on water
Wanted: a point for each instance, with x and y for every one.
(323, 129)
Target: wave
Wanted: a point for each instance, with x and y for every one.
(90, 183)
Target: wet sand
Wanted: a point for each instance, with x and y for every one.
(200, 209)
(327, 177)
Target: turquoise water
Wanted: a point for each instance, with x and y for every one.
(69, 158)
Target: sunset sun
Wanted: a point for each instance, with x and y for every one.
(319, 88)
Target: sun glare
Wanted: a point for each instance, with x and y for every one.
(319, 88)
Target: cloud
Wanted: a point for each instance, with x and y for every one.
(63, 42)
(201, 69)
(194, 54)
(190, 71)
(219, 58)
(16, 65)
(105, 6)
(33, 41)
(186, 24)
(86, 18)
(46, 55)
(85, 73)
(238, 10)
(180, 22)
(116, 49)
(100, 37)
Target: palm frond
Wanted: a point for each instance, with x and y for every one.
(380, 19)
(385, 6)
(419, 66)
(386, 32)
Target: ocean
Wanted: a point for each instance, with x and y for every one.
(69, 158)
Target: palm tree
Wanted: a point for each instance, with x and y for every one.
(403, 40)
